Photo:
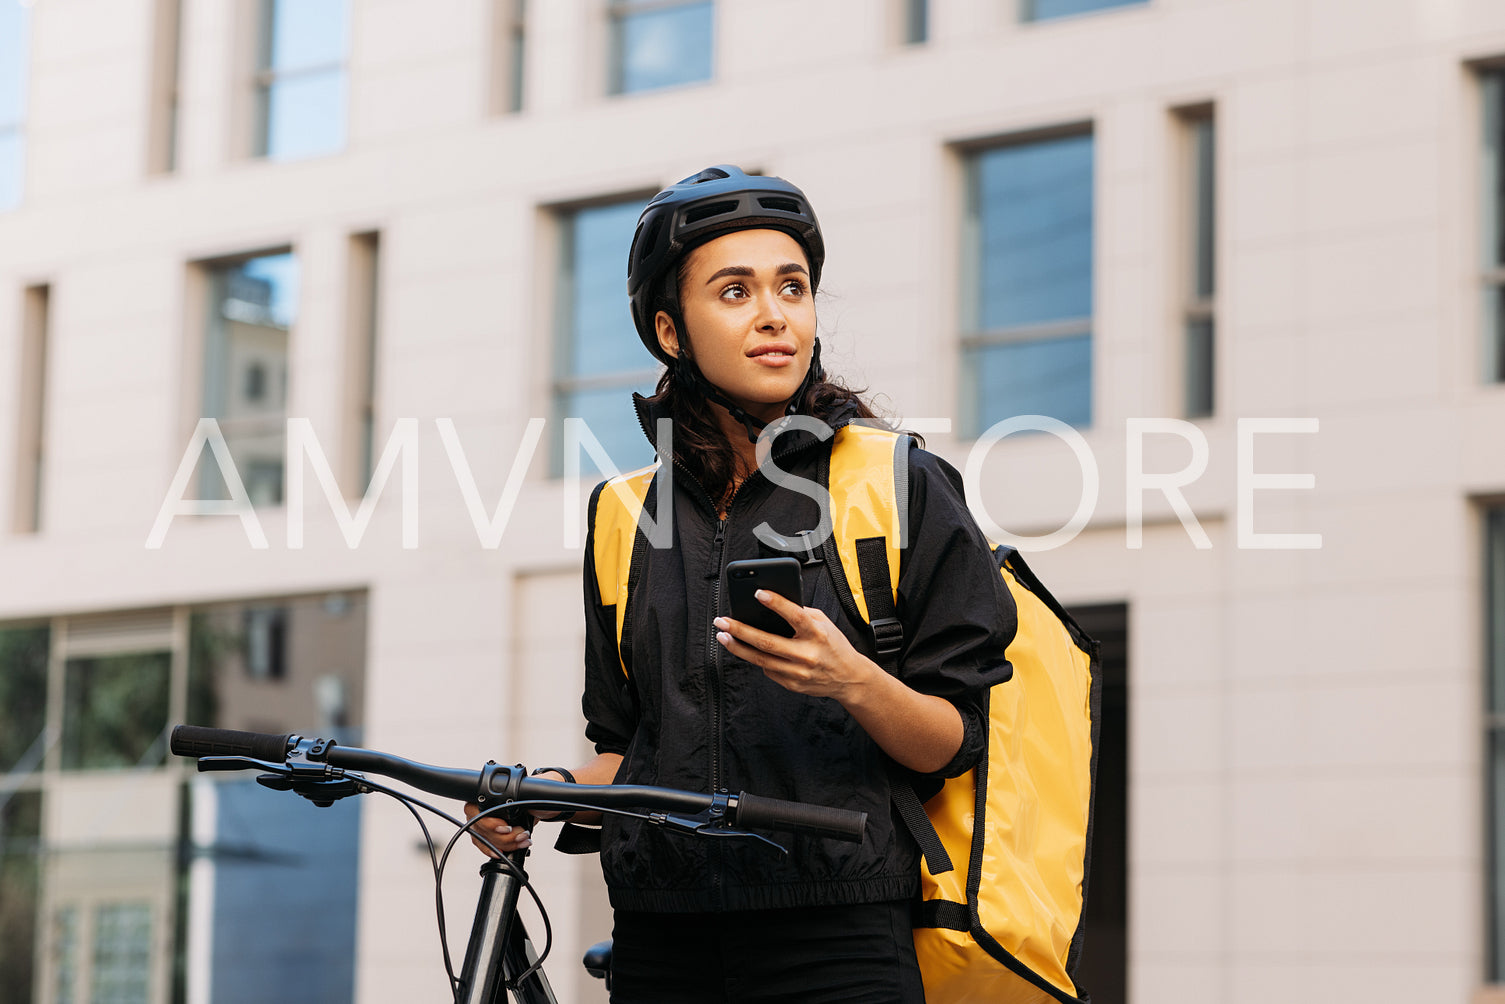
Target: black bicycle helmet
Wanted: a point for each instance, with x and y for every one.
(718, 200)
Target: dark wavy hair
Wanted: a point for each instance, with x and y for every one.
(701, 446)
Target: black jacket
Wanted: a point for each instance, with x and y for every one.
(690, 715)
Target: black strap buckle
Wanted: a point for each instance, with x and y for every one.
(888, 633)
(812, 556)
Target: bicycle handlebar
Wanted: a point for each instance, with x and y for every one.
(749, 811)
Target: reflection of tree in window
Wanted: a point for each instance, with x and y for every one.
(114, 710)
(23, 696)
(20, 873)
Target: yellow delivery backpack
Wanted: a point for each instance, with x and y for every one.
(1006, 844)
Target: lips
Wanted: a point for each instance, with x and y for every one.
(776, 350)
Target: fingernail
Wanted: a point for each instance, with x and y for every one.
(761, 595)
(723, 637)
(720, 622)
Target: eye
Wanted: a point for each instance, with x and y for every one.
(734, 291)
(793, 287)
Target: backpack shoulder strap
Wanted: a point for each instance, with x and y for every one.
(619, 505)
(868, 481)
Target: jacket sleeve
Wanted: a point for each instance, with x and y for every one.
(610, 709)
(957, 612)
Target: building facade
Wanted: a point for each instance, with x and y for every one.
(1245, 259)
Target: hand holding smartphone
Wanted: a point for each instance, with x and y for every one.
(779, 575)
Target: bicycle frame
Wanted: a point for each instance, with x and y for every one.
(499, 948)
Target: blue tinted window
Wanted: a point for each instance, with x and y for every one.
(302, 82)
(1033, 213)
(661, 46)
(599, 359)
(1041, 10)
(1029, 290)
(294, 861)
(1049, 376)
(14, 42)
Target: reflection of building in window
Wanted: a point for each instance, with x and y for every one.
(363, 327)
(1494, 668)
(301, 82)
(1198, 312)
(1494, 226)
(253, 304)
(266, 648)
(914, 21)
(1042, 10)
(1027, 282)
(95, 891)
(598, 358)
(660, 43)
(31, 427)
(15, 41)
(508, 54)
(162, 125)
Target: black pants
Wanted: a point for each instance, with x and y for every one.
(861, 954)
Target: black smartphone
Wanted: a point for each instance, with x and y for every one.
(779, 575)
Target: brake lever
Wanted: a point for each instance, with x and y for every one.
(710, 824)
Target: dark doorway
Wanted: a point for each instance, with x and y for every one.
(1103, 972)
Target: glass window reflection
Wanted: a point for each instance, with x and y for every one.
(1043, 10)
(599, 361)
(301, 79)
(253, 306)
(1028, 300)
(15, 34)
(655, 44)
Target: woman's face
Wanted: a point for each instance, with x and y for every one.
(750, 315)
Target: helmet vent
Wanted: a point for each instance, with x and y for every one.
(781, 204)
(650, 240)
(712, 209)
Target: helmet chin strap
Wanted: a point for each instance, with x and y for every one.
(689, 374)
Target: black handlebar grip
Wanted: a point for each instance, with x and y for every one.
(196, 741)
(755, 812)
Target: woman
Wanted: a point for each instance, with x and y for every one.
(722, 275)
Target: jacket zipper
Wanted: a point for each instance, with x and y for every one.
(714, 647)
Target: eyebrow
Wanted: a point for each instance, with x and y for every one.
(747, 273)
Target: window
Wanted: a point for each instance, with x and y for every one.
(1198, 313)
(32, 401)
(509, 48)
(162, 145)
(300, 78)
(253, 305)
(660, 43)
(1044, 10)
(1494, 226)
(142, 838)
(599, 360)
(363, 319)
(914, 21)
(15, 35)
(1027, 282)
(1494, 668)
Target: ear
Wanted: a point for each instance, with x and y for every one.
(668, 337)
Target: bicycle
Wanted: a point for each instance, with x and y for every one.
(500, 956)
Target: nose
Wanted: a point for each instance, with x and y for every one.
(771, 313)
